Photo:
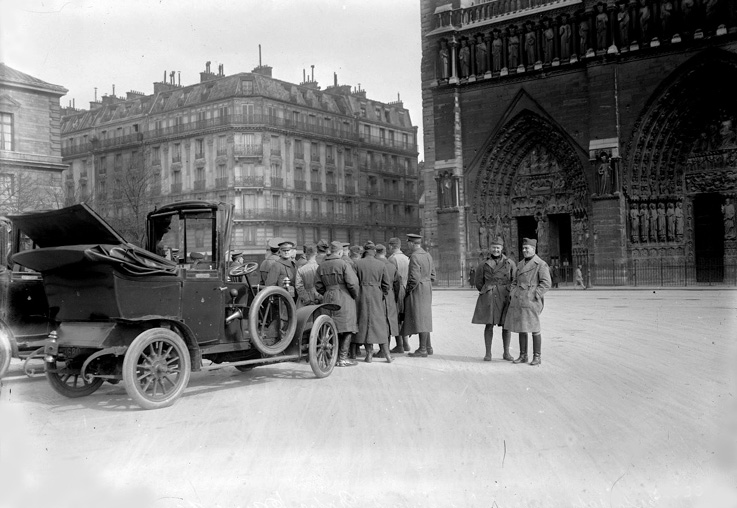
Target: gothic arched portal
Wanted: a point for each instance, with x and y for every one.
(530, 182)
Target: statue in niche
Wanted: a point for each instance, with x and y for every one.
(481, 55)
(604, 173)
(728, 212)
(602, 21)
(445, 188)
(670, 228)
(727, 134)
(661, 222)
(666, 19)
(634, 223)
(530, 44)
(444, 59)
(564, 31)
(583, 35)
(644, 20)
(496, 52)
(464, 59)
(513, 49)
(548, 42)
(711, 13)
(644, 223)
(653, 223)
(623, 20)
(540, 230)
(678, 216)
(687, 13)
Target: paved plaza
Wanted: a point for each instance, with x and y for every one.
(633, 405)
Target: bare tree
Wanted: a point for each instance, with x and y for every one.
(28, 190)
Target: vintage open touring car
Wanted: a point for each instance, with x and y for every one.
(124, 313)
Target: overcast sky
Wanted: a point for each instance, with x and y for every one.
(83, 44)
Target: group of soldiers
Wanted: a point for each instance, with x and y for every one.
(381, 292)
(512, 296)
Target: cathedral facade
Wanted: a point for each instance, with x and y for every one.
(605, 130)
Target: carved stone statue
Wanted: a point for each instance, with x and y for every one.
(728, 139)
(711, 13)
(728, 212)
(623, 20)
(444, 57)
(602, 22)
(634, 224)
(678, 216)
(583, 35)
(548, 42)
(644, 20)
(496, 52)
(670, 228)
(604, 174)
(661, 222)
(481, 55)
(653, 223)
(531, 44)
(513, 49)
(464, 59)
(564, 31)
(541, 230)
(644, 223)
(666, 18)
(687, 14)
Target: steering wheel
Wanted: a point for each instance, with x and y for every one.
(241, 270)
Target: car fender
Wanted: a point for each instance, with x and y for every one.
(304, 314)
(176, 324)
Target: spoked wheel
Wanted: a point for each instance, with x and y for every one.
(156, 368)
(324, 346)
(271, 320)
(6, 352)
(66, 379)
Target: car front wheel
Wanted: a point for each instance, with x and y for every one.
(156, 368)
(323, 346)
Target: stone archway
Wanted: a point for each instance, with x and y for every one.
(680, 171)
(531, 181)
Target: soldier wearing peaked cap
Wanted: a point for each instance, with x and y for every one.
(418, 300)
(528, 290)
(283, 268)
(493, 278)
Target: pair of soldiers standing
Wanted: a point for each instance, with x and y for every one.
(512, 297)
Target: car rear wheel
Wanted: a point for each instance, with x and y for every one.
(156, 368)
(271, 320)
(6, 352)
(324, 346)
(66, 379)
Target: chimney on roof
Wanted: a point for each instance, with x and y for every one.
(208, 74)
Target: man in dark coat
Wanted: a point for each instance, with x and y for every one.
(322, 251)
(272, 249)
(493, 279)
(527, 300)
(283, 268)
(391, 300)
(418, 299)
(373, 325)
(338, 284)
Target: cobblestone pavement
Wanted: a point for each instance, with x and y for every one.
(633, 405)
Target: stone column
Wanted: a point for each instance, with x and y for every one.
(453, 61)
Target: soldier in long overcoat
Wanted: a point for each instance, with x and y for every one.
(394, 285)
(272, 250)
(282, 268)
(401, 262)
(373, 325)
(338, 284)
(493, 280)
(418, 299)
(527, 300)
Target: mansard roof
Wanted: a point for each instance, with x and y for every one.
(13, 77)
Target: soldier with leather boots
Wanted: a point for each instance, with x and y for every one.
(418, 300)
(528, 290)
(493, 278)
(373, 325)
(401, 262)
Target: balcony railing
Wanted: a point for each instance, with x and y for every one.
(388, 143)
(249, 181)
(315, 186)
(222, 182)
(350, 188)
(248, 150)
(277, 181)
(176, 188)
(300, 184)
(331, 187)
(200, 185)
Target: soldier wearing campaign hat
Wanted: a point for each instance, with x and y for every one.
(283, 267)
(528, 290)
(418, 299)
(338, 284)
(493, 278)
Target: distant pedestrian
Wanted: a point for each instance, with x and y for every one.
(401, 261)
(418, 301)
(554, 274)
(373, 325)
(338, 284)
(528, 290)
(493, 279)
(472, 276)
(579, 278)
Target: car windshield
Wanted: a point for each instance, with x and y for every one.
(187, 238)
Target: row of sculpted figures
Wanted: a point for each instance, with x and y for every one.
(656, 221)
(623, 26)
